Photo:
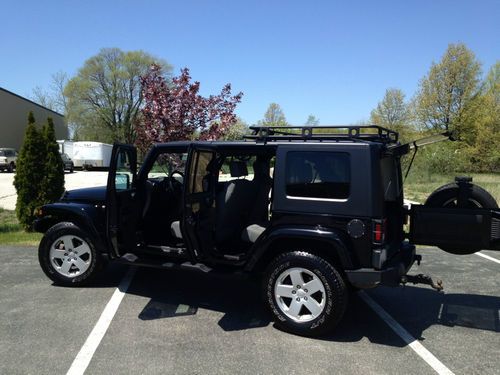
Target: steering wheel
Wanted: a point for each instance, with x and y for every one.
(177, 172)
(173, 182)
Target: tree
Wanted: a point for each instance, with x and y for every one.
(54, 97)
(484, 139)
(448, 89)
(274, 116)
(236, 131)
(52, 184)
(175, 111)
(30, 168)
(392, 112)
(312, 121)
(105, 97)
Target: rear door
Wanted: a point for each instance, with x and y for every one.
(199, 201)
(121, 205)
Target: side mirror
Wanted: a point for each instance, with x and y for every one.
(122, 181)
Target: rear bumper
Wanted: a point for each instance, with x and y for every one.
(390, 275)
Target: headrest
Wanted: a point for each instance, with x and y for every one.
(238, 168)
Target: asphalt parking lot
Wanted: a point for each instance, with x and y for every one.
(171, 322)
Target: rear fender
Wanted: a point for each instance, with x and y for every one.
(333, 240)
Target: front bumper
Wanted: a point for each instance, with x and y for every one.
(390, 275)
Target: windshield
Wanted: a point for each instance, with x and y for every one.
(2, 153)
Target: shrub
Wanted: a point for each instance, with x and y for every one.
(52, 184)
(29, 174)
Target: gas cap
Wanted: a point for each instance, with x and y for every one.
(356, 228)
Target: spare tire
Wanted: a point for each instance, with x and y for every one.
(447, 196)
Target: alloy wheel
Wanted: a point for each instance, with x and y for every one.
(300, 294)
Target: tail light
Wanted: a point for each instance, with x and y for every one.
(379, 228)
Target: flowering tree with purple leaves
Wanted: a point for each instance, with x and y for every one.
(174, 111)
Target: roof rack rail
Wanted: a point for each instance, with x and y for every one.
(373, 133)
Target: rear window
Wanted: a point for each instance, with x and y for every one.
(318, 174)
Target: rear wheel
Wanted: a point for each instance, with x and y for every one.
(447, 196)
(305, 293)
(68, 255)
(11, 167)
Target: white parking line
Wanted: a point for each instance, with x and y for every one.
(417, 347)
(488, 257)
(88, 349)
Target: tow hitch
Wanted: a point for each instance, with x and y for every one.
(422, 279)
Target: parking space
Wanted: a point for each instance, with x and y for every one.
(188, 322)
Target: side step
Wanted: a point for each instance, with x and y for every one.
(155, 262)
(174, 251)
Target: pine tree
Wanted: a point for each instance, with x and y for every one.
(30, 170)
(53, 180)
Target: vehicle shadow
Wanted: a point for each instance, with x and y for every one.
(418, 308)
(108, 278)
(178, 293)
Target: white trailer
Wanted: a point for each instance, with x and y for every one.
(66, 147)
(91, 154)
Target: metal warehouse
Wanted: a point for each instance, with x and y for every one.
(14, 111)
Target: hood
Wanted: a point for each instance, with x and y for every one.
(90, 195)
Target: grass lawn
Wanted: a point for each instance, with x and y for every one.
(419, 187)
(11, 233)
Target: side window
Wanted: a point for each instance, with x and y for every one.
(124, 173)
(199, 177)
(318, 174)
(167, 164)
(390, 180)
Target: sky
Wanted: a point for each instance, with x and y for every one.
(331, 59)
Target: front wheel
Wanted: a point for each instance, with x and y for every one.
(68, 255)
(305, 293)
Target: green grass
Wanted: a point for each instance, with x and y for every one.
(11, 232)
(419, 186)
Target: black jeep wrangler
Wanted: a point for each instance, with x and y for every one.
(314, 211)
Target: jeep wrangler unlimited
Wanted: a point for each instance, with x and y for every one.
(314, 211)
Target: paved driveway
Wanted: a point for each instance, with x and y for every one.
(190, 323)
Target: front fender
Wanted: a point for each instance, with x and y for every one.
(83, 215)
(327, 236)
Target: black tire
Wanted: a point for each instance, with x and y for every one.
(96, 260)
(71, 170)
(447, 196)
(336, 293)
(11, 167)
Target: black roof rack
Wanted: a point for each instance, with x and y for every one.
(373, 133)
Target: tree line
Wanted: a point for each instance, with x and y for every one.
(453, 96)
(133, 97)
